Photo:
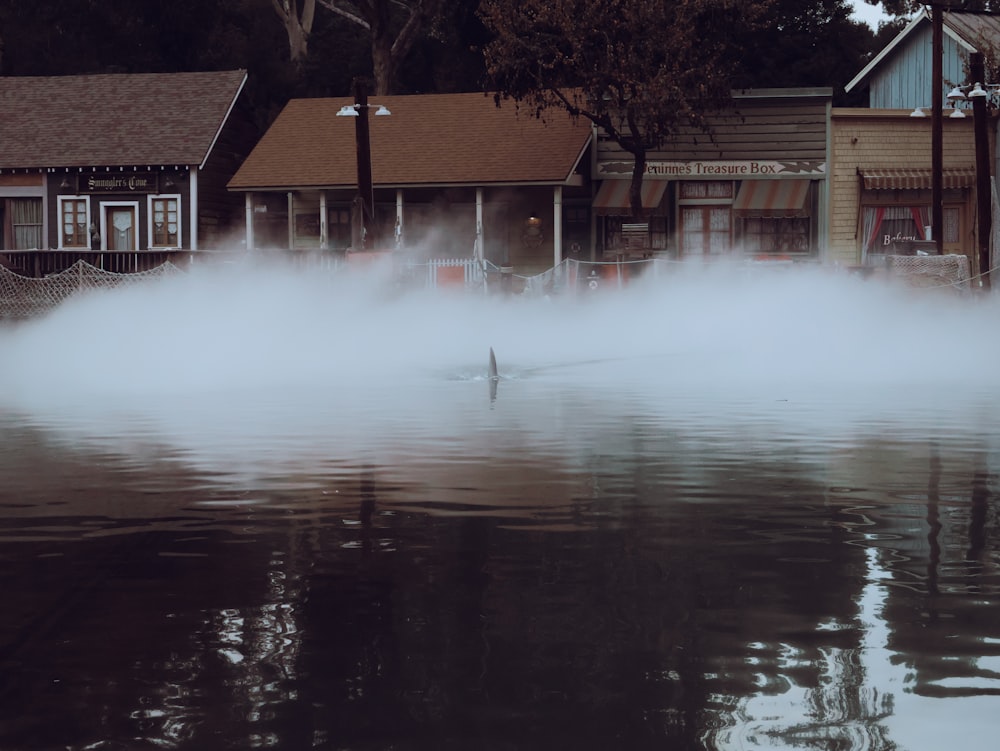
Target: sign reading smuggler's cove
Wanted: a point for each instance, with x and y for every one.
(109, 182)
(717, 169)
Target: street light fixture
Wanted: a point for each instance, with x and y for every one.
(351, 110)
(980, 96)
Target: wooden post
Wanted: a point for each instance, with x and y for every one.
(984, 198)
(937, 127)
(365, 188)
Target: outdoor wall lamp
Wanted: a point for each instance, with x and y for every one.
(532, 236)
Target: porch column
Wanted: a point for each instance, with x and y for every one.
(323, 244)
(478, 253)
(291, 220)
(249, 213)
(557, 225)
(398, 231)
(193, 200)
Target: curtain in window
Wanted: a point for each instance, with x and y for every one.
(124, 238)
(26, 223)
(870, 224)
(881, 226)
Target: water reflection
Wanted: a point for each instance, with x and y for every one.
(708, 534)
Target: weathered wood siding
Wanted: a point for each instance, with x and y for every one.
(903, 79)
(758, 126)
(221, 213)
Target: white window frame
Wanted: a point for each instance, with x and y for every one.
(149, 221)
(105, 205)
(59, 220)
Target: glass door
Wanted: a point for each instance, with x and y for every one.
(705, 230)
(120, 227)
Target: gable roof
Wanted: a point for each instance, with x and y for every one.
(967, 28)
(430, 139)
(114, 119)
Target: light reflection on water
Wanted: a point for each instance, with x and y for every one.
(672, 527)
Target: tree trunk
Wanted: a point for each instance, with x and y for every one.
(383, 66)
(383, 61)
(297, 28)
(635, 187)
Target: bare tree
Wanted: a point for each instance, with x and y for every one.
(298, 22)
(392, 25)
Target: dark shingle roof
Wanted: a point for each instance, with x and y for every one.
(430, 139)
(113, 119)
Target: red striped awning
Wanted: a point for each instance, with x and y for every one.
(771, 199)
(612, 197)
(906, 178)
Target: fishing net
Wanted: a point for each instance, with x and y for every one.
(930, 271)
(24, 297)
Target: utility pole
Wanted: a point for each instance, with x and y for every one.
(937, 129)
(367, 232)
(984, 194)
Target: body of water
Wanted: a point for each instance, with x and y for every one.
(729, 510)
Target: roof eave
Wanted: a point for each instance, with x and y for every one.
(925, 14)
(222, 123)
(887, 50)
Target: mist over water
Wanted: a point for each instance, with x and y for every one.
(237, 360)
(740, 506)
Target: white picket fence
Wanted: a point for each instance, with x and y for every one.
(454, 272)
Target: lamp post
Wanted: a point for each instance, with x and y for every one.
(984, 193)
(980, 95)
(363, 221)
(937, 129)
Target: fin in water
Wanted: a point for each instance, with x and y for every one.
(494, 375)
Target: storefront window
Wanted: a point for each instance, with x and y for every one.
(74, 224)
(22, 223)
(338, 227)
(884, 227)
(719, 189)
(776, 236)
(165, 214)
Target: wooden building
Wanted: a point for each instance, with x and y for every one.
(880, 184)
(453, 175)
(123, 171)
(881, 156)
(900, 75)
(755, 185)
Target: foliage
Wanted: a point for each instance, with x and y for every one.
(641, 70)
(392, 26)
(804, 45)
(909, 7)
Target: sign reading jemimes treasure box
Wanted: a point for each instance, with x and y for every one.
(718, 169)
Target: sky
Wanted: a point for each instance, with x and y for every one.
(871, 14)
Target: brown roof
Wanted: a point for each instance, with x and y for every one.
(430, 139)
(113, 119)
